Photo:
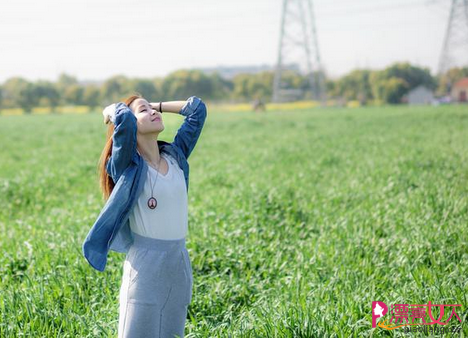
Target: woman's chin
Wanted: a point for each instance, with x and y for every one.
(156, 129)
(152, 131)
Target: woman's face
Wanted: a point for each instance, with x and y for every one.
(148, 119)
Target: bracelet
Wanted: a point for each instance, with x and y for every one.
(160, 107)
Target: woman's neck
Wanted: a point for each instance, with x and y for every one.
(148, 148)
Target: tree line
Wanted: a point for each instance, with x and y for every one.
(389, 85)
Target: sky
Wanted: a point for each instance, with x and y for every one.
(96, 39)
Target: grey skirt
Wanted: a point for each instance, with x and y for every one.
(156, 289)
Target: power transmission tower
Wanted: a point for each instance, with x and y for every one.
(298, 44)
(455, 48)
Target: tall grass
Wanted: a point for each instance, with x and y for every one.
(298, 220)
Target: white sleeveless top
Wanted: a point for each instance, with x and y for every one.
(169, 220)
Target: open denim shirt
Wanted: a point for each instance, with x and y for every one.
(128, 170)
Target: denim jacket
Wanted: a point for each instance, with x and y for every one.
(128, 170)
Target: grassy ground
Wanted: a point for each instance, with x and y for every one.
(298, 220)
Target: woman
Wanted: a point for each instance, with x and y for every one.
(145, 184)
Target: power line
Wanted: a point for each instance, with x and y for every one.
(372, 10)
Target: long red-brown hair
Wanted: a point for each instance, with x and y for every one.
(105, 181)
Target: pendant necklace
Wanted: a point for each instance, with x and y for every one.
(152, 202)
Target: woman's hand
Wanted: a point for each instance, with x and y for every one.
(109, 114)
(155, 106)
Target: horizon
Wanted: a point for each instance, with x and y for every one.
(87, 80)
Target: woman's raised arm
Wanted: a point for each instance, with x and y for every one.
(194, 110)
(124, 143)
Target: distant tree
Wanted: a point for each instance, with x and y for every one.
(184, 83)
(222, 88)
(241, 86)
(21, 93)
(392, 83)
(309, 81)
(145, 87)
(92, 96)
(394, 89)
(354, 86)
(115, 89)
(390, 91)
(47, 93)
(73, 94)
(413, 75)
(291, 79)
(260, 85)
(331, 86)
(63, 85)
(64, 80)
(158, 84)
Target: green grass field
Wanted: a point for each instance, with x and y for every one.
(297, 221)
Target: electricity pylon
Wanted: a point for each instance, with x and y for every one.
(298, 43)
(455, 48)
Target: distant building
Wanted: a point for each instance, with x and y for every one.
(460, 90)
(420, 95)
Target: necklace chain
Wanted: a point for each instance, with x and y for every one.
(152, 202)
(157, 175)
